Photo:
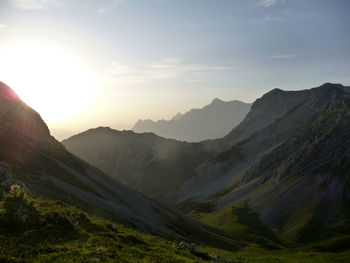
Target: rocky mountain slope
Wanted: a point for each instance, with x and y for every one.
(210, 122)
(33, 159)
(287, 160)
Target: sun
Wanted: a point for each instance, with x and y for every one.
(49, 79)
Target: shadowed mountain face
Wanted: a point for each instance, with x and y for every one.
(289, 159)
(213, 121)
(32, 158)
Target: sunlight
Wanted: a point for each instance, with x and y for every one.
(49, 79)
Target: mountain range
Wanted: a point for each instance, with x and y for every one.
(34, 160)
(210, 122)
(276, 184)
(288, 161)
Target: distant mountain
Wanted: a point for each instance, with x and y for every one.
(288, 160)
(212, 121)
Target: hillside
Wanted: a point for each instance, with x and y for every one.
(31, 158)
(43, 230)
(210, 122)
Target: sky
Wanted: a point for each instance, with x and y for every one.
(88, 63)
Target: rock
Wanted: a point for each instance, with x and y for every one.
(184, 245)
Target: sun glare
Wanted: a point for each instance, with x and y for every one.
(48, 79)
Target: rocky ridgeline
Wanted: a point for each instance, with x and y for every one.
(210, 122)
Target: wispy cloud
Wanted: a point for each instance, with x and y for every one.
(35, 4)
(268, 3)
(109, 5)
(169, 68)
(283, 56)
(267, 18)
(2, 26)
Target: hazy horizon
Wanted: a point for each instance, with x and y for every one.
(84, 64)
(62, 133)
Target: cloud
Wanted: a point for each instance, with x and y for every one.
(268, 3)
(283, 56)
(35, 4)
(169, 68)
(109, 5)
(267, 18)
(2, 26)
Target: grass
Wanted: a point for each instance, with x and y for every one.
(33, 229)
(242, 224)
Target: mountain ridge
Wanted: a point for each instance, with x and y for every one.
(192, 126)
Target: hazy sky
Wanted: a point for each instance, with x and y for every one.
(86, 63)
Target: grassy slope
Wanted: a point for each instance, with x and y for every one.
(244, 225)
(42, 230)
(241, 223)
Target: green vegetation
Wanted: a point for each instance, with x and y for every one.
(260, 244)
(242, 224)
(34, 229)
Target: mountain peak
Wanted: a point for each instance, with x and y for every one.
(331, 85)
(216, 100)
(6, 93)
(276, 91)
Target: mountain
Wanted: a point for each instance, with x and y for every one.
(32, 158)
(139, 160)
(288, 160)
(210, 122)
(54, 207)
